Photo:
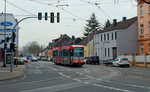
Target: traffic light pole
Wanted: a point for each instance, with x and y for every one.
(12, 42)
(4, 65)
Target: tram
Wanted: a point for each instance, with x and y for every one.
(69, 55)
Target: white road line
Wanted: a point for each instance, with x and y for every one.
(64, 75)
(80, 73)
(134, 76)
(130, 85)
(77, 79)
(52, 68)
(57, 87)
(37, 66)
(25, 76)
(86, 82)
(113, 88)
(89, 76)
(100, 79)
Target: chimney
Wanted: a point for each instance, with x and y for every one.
(114, 22)
(73, 39)
(124, 18)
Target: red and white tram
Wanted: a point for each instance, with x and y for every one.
(69, 55)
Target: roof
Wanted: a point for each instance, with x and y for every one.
(120, 25)
(84, 41)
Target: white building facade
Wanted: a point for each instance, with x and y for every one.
(118, 39)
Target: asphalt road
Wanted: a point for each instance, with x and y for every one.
(43, 76)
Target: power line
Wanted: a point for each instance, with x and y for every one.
(20, 8)
(97, 5)
(58, 8)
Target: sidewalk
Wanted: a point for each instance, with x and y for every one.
(16, 72)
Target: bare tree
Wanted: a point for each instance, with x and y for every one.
(32, 48)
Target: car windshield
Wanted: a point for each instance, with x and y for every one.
(124, 59)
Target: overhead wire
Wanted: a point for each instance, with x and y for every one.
(20, 8)
(97, 5)
(59, 8)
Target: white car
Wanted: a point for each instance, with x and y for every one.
(121, 62)
(34, 59)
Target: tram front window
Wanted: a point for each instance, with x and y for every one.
(78, 52)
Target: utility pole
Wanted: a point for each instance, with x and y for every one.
(4, 34)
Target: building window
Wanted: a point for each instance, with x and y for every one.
(98, 39)
(101, 37)
(149, 7)
(149, 49)
(104, 37)
(115, 35)
(105, 52)
(142, 29)
(149, 27)
(142, 49)
(107, 36)
(108, 52)
(112, 35)
(141, 10)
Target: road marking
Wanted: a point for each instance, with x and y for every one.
(64, 75)
(52, 68)
(100, 79)
(25, 76)
(80, 73)
(82, 78)
(57, 87)
(113, 88)
(134, 76)
(77, 79)
(90, 77)
(86, 82)
(37, 66)
(129, 84)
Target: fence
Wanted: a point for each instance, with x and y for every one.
(142, 61)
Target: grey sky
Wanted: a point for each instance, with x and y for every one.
(73, 16)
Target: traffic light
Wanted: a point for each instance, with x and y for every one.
(5, 45)
(13, 36)
(58, 17)
(39, 16)
(52, 17)
(46, 16)
(13, 47)
(7, 39)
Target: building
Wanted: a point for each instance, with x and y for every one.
(143, 27)
(84, 43)
(10, 23)
(117, 39)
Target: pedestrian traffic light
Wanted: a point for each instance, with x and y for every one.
(13, 36)
(58, 17)
(39, 16)
(46, 16)
(52, 17)
(5, 45)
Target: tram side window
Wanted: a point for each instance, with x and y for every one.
(71, 52)
(65, 52)
(55, 53)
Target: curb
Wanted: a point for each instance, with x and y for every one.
(21, 73)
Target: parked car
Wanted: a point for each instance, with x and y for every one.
(93, 60)
(121, 62)
(108, 62)
(34, 59)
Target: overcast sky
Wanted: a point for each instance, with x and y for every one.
(73, 15)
